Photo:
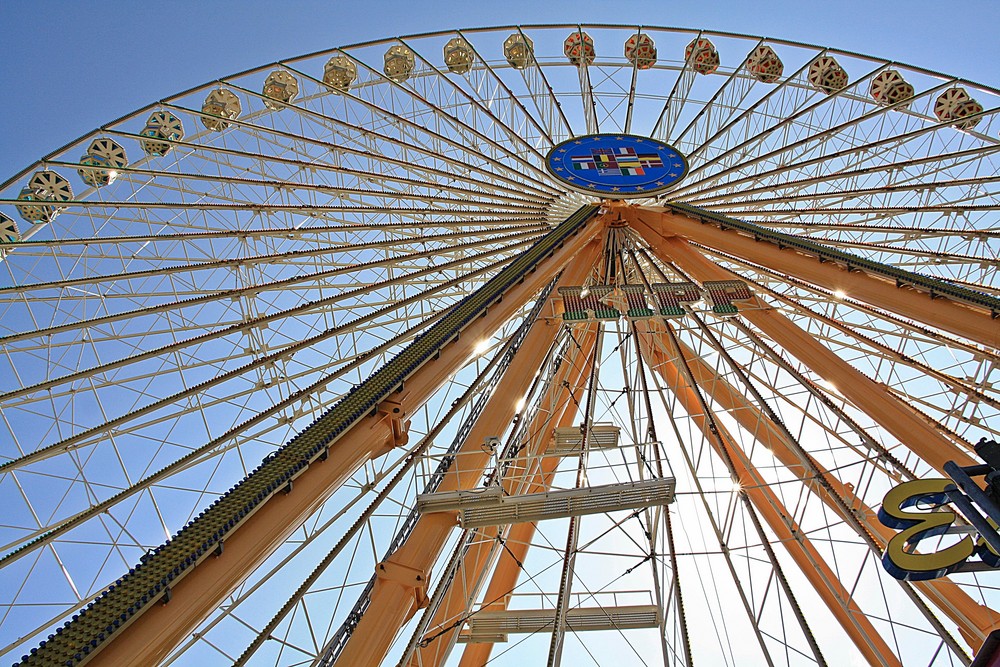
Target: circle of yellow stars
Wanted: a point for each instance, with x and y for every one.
(666, 153)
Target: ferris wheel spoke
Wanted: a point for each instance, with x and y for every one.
(840, 430)
(144, 348)
(778, 572)
(824, 396)
(407, 103)
(355, 192)
(612, 98)
(360, 191)
(325, 234)
(883, 232)
(355, 260)
(926, 166)
(380, 167)
(880, 211)
(549, 110)
(630, 106)
(859, 152)
(489, 95)
(888, 190)
(299, 209)
(952, 267)
(966, 270)
(802, 124)
(708, 120)
(431, 87)
(83, 438)
(920, 256)
(664, 128)
(962, 260)
(433, 147)
(582, 61)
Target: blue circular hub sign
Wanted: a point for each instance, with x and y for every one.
(616, 165)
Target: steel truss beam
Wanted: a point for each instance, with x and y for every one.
(914, 431)
(255, 518)
(401, 588)
(958, 318)
(974, 621)
(810, 562)
(558, 409)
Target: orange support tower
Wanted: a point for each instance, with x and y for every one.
(968, 321)
(537, 479)
(153, 634)
(899, 419)
(395, 599)
(975, 621)
(822, 577)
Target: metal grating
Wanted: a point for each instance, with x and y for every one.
(568, 440)
(494, 626)
(489, 507)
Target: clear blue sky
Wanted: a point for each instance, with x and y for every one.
(69, 66)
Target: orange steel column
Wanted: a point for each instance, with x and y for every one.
(507, 570)
(974, 621)
(959, 318)
(505, 576)
(401, 587)
(900, 420)
(456, 602)
(810, 562)
(151, 636)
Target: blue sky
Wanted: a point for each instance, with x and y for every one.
(69, 66)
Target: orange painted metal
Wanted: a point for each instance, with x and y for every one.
(975, 621)
(809, 561)
(156, 632)
(528, 474)
(392, 605)
(503, 580)
(910, 427)
(961, 319)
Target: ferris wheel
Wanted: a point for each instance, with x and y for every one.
(571, 344)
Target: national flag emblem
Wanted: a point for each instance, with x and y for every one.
(623, 161)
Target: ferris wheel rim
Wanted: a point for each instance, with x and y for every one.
(474, 30)
(546, 194)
